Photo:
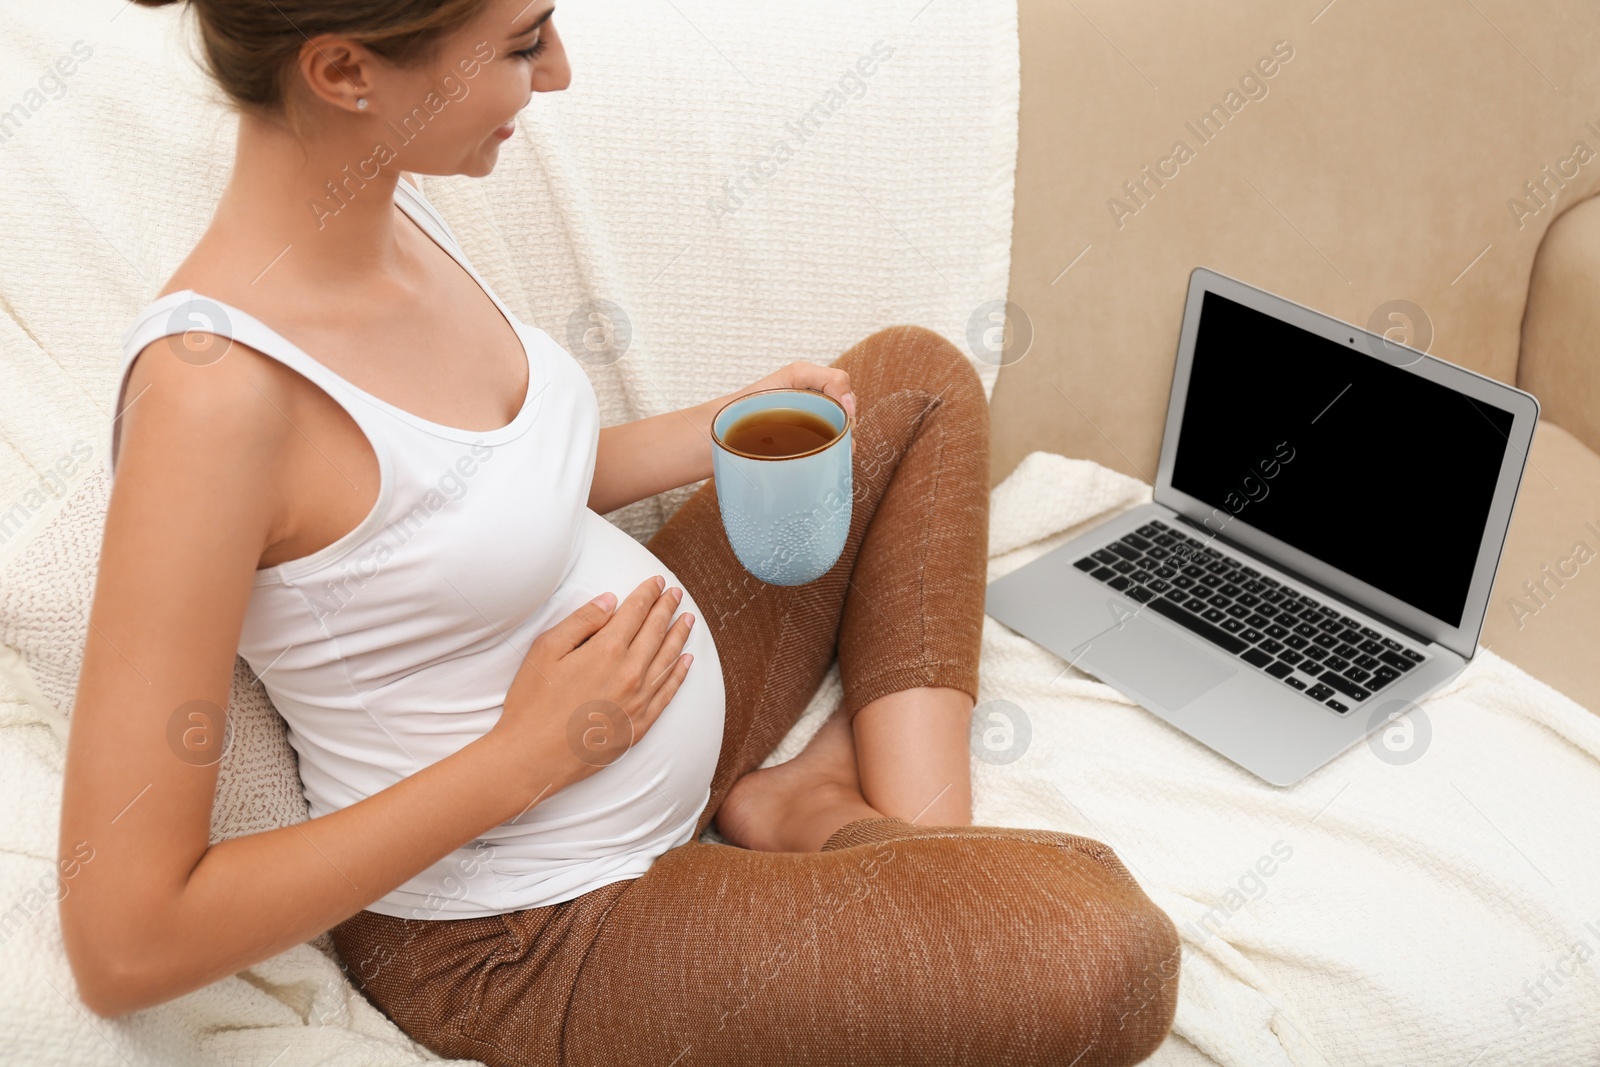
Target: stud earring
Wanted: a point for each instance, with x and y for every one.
(361, 103)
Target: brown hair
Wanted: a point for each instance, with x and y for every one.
(251, 45)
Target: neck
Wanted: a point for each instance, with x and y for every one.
(325, 208)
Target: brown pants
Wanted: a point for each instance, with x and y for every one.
(897, 943)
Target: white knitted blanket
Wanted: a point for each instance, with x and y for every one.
(1380, 913)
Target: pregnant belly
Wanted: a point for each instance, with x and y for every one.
(662, 782)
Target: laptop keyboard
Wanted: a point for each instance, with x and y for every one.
(1306, 644)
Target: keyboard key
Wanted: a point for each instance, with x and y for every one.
(1369, 633)
(1157, 552)
(1256, 657)
(1258, 620)
(1357, 675)
(1086, 564)
(1122, 566)
(1383, 676)
(1213, 615)
(1149, 529)
(1277, 631)
(1397, 661)
(1351, 635)
(1105, 556)
(1135, 541)
(1166, 572)
(1104, 574)
(1278, 669)
(1239, 612)
(1354, 624)
(1251, 571)
(1368, 663)
(1220, 638)
(1140, 593)
(1142, 576)
(1270, 583)
(1371, 648)
(1414, 657)
(1159, 586)
(1289, 655)
(1345, 686)
(1294, 682)
(1266, 609)
(1329, 627)
(1315, 652)
(1251, 635)
(1327, 641)
(1336, 706)
(1119, 583)
(1124, 551)
(1218, 601)
(1296, 641)
(1247, 598)
(1390, 643)
(1232, 590)
(1319, 692)
(1346, 651)
(1233, 626)
(1336, 662)
(1196, 605)
(1275, 647)
(1165, 540)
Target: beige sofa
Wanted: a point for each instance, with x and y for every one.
(1436, 153)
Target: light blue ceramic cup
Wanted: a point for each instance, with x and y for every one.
(786, 517)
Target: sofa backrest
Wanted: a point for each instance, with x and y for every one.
(1394, 165)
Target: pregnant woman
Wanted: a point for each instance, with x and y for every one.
(338, 454)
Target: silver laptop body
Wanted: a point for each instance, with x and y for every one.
(1328, 516)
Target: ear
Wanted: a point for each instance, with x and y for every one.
(338, 70)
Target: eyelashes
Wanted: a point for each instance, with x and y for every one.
(532, 51)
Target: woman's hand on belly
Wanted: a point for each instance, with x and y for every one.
(591, 685)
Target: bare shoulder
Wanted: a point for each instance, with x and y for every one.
(217, 419)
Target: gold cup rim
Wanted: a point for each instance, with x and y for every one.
(717, 440)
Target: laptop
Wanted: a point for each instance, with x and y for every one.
(1327, 518)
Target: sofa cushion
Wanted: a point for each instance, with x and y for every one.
(1544, 613)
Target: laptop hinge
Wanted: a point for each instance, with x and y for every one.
(1208, 533)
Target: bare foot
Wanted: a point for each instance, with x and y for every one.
(796, 806)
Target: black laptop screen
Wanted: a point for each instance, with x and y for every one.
(1366, 466)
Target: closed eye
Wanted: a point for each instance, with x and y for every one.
(532, 50)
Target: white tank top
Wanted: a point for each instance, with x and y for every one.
(394, 647)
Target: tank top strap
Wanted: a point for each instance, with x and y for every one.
(431, 221)
(191, 319)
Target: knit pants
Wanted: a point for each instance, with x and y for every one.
(897, 943)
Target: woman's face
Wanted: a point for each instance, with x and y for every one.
(452, 115)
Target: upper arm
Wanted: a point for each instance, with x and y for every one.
(193, 503)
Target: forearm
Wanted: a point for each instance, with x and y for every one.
(640, 459)
(252, 897)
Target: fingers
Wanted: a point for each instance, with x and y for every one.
(833, 381)
(648, 639)
(630, 614)
(671, 679)
(669, 648)
(581, 625)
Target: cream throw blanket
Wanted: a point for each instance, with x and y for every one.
(1443, 912)
(1426, 913)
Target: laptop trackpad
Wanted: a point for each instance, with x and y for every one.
(1153, 662)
